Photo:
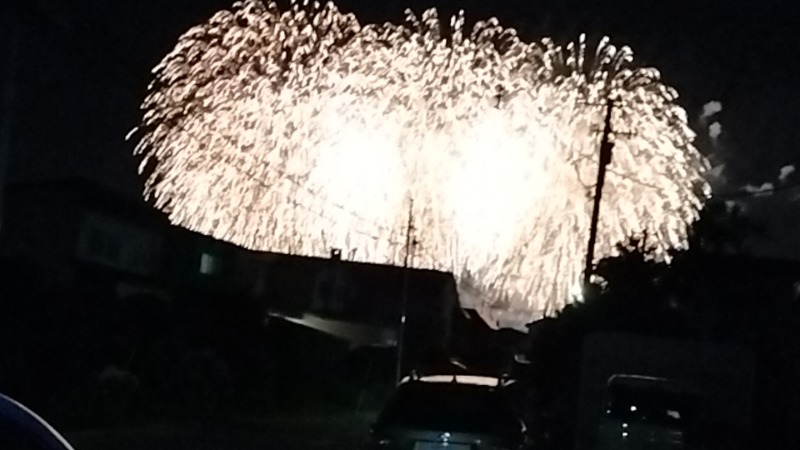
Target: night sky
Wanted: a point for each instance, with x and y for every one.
(83, 67)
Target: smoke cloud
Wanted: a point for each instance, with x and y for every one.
(709, 109)
(714, 130)
(786, 172)
(764, 189)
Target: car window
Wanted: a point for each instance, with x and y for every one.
(652, 405)
(445, 407)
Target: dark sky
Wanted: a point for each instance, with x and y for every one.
(84, 66)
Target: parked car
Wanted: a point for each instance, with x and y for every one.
(449, 412)
(22, 429)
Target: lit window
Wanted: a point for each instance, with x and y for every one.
(208, 264)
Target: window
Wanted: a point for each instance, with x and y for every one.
(652, 405)
(208, 264)
(117, 243)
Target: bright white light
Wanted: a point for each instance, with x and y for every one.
(460, 379)
(300, 130)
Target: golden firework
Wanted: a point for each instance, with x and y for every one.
(301, 130)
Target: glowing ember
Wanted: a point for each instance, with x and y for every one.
(299, 131)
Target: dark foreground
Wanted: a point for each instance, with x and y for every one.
(264, 434)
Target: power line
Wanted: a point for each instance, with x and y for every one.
(320, 214)
(753, 194)
(723, 196)
(121, 72)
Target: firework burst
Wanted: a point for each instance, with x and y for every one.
(302, 130)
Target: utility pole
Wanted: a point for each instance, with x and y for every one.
(8, 71)
(605, 158)
(407, 261)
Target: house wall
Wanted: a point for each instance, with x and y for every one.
(119, 244)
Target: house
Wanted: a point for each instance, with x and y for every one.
(94, 236)
(85, 234)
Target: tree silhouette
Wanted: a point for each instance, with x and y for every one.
(722, 228)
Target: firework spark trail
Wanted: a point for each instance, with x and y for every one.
(302, 130)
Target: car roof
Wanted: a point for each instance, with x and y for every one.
(474, 380)
(650, 382)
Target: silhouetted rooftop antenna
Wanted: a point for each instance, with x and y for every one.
(408, 260)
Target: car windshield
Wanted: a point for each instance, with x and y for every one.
(652, 405)
(450, 407)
